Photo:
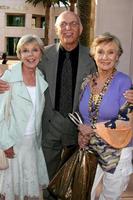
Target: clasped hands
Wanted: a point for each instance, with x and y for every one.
(84, 135)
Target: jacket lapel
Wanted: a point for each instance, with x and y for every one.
(51, 70)
(22, 91)
(83, 70)
(41, 86)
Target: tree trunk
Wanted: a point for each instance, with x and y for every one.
(86, 11)
(47, 19)
(72, 5)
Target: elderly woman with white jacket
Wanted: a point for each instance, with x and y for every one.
(20, 135)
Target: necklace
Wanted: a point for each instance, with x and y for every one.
(95, 101)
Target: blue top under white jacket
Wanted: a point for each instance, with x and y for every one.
(12, 131)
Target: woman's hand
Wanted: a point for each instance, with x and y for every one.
(9, 152)
(129, 96)
(85, 132)
(1, 72)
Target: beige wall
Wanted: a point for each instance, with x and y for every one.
(19, 6)
(116, 16)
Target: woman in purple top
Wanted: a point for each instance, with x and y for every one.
(100, 101)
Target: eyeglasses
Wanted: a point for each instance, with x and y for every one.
(72, 24)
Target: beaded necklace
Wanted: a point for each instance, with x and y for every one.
(95, 100)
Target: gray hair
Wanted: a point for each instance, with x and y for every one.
(26, 39)
(105, 38)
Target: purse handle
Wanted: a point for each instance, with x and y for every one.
(76, 119)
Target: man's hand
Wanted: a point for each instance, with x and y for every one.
(4, 86)
(129, 96)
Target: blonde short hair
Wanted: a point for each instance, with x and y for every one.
(26, 39)
(105, 38)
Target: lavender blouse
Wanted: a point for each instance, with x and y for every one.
(112, 100)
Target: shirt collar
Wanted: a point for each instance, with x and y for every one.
(75, 50)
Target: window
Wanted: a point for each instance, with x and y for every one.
(15, 20)
(56, 40)
(11, 45)
(38, 21)
(43, 22)
(56, 18)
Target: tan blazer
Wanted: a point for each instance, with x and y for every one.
(58, 130)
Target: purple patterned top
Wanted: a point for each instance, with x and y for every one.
(112, 100)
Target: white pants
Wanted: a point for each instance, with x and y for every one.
(114, 184)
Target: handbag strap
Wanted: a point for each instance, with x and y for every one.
(7, 105)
